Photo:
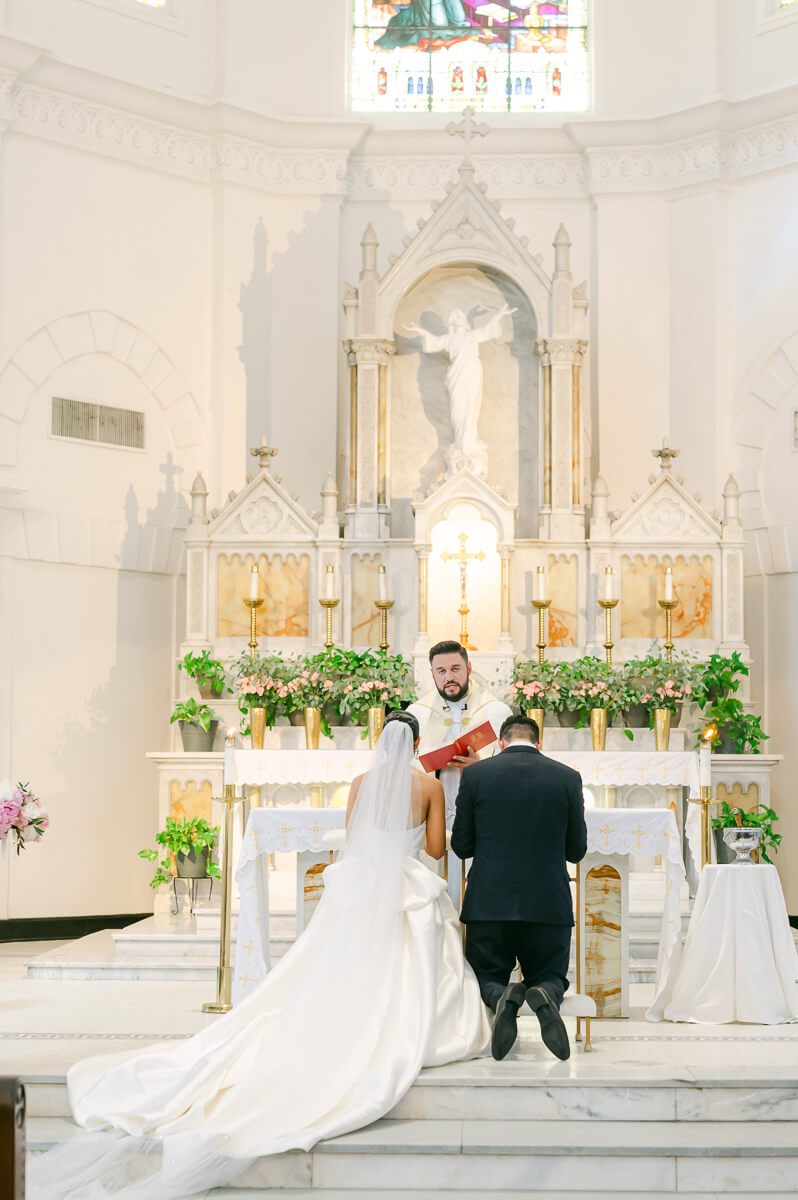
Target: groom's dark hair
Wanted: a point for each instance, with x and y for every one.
(519, 728)
(448, 648)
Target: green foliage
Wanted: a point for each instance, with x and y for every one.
(744, 729)
(719, 677)
(181, 837)
(536, 685)
(196, 714)
(756, 818)
(374, 678)
(204, 669)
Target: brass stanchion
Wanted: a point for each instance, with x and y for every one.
(224, 972)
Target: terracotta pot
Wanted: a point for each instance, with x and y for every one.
(196, 739)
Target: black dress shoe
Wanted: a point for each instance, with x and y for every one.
(552, 1026)
(505, 1027)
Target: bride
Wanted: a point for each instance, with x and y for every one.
(375, 989)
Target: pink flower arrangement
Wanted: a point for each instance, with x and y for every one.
(21, 813)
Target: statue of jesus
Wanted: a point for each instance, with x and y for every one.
(464, 380)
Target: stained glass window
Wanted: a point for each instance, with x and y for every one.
(516, 55)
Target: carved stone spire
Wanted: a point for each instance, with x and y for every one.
(199, 501)
(665, 455)
(263, 453)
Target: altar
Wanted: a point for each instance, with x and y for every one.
(601, 951)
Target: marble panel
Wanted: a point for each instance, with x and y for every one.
(642, 584)
(564, 601)
(538, 1103)
(492, 1174)
(365, 590)
(285, 586)
(737, 1104)
(190, 799)
(314, 888)
(291, 1170)
(771, 1173)
(603, 946)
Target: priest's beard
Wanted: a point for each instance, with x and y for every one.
(453, 691)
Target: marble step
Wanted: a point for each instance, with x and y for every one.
(493, 1156)
(517, 1091)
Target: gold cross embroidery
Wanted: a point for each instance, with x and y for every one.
(250, 946)
(245, 980)
(316, 829)
(639, 832)
(607, 830)
(284, 829)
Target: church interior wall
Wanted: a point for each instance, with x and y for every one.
(688, 292)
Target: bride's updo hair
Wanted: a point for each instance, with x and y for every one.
(407, 719)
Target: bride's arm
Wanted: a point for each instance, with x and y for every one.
(436, 821)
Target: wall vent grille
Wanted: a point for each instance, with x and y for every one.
(98, 423)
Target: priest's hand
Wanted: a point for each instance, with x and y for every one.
(463, 760)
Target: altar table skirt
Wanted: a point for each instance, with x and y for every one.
(739, 961)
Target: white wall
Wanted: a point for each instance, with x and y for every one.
(191, 196)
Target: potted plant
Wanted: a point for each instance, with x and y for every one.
(197, 725)
(207, 671)
(630, 688)
(587, 689)
(21, 815)
(380, 681)
(187, 844)
(668, 685)
(718, 678)
(535, 689)
(756, 817)
(739, 732)
(262, 690)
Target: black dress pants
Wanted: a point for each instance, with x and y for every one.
(493, 948)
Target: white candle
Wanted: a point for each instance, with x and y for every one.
(328, 592)
(229, 758)
(607, 585)
(385, 596)
(705, 765)
(668, 583)
(254, 581)
(539, 590)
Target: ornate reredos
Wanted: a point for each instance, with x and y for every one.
(666, 514)
(466, 227)
(263, 512)
(464, 487)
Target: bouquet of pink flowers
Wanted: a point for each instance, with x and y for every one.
(21, 814)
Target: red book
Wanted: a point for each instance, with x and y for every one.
(477, 739)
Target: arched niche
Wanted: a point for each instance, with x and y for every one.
(421, 428)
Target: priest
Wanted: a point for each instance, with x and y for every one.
(454, 705)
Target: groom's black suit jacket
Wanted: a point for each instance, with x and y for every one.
(521, 817)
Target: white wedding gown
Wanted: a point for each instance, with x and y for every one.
(375, 989)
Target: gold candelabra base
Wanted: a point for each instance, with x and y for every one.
(706, 800)
(328, 606)
(668, 606)
(608, 606)
(464, 610)
(253, 606)
(384, 606)
(224, 972)
(541, 606)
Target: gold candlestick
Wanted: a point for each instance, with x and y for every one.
(224, 972)
(668, 606)
(253, 606)
(384, 606)
(328, 606)
(706, 800)
(608, 606)
(541, 606)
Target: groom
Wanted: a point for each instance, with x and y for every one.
(521, 817)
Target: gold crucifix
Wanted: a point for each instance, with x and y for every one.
(463, 559)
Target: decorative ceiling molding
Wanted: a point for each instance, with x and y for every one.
(42, 112)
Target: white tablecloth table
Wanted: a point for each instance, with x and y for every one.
(739, 961)
(618, 831)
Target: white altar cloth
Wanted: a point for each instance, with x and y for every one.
(739, 961)
(645, 831)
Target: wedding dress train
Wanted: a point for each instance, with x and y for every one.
(375, 989)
